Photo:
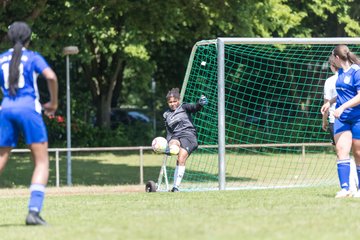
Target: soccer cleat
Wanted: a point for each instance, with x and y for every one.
(33, 218)
(356, 194)
(174, 189)
(343, 193)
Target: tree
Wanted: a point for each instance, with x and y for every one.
(123, 45)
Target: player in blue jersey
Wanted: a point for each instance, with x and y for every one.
(329, 119)
(347, 114)
(180, 131)
(21, 111)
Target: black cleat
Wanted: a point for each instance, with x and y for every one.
(33, 218)
(174, 189)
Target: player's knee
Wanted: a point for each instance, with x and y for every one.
(174, 149)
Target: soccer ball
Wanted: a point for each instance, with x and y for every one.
(159, 144)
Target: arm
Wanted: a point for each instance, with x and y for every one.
(168, 133)
(325, 116)
(351, 103)
(193, 108)
(51, 106)
(326, 106)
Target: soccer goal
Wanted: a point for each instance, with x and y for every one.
(262, 126)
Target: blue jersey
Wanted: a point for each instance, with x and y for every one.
(347, 87)
(32, 64)
(22, 112)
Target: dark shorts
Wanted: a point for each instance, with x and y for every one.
(189, 143)
(331, 133)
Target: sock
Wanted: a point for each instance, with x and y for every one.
(179, 171)
(343, 167)
(37, 194)
(353, 178)
(358, 174)
(175, 175)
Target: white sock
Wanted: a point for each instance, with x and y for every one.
(178, 175)
(353, 179)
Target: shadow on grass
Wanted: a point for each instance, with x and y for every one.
(12, 225)
(94, 172)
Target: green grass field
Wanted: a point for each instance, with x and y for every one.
(300, 213)
(106, 202)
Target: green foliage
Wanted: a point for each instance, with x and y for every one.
(123, 46)
(87, 135)
(273, 17)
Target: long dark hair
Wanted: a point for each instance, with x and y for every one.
(19, 34)
(332, 62)
(345, 54)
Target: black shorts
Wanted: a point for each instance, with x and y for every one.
(189, 143)
(331, 133)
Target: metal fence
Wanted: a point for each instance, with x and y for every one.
(141, 149)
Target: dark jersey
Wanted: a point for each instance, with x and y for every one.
(179, 122)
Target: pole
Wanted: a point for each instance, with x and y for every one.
(153, 90)
(221, 112)
(68, 122)
(70, 50)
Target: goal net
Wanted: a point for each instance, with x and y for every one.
(262, 126)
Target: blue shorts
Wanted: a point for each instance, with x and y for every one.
(14, 121)
(349, 125)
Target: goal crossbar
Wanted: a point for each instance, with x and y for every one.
(333, 40)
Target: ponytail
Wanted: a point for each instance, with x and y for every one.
(19, 34)
(14, 68)
(344, 53)
(353, 58)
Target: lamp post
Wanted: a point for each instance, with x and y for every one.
(153, 90)
(69, 50)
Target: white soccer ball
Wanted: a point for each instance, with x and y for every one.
(159, 144)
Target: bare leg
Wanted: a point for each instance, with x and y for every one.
(343, 144)
(180, 168)
(356, 154)
(343, 147)
(356, 151)
(41, 160)
(4, 157)
(38, 182)
(183, 155)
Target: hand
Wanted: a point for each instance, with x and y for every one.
(49, 109)
(338, 112)
(325, 125)
(203, 100)
(325, 108)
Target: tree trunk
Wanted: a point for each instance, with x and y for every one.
(102, 91)
(103, 110)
